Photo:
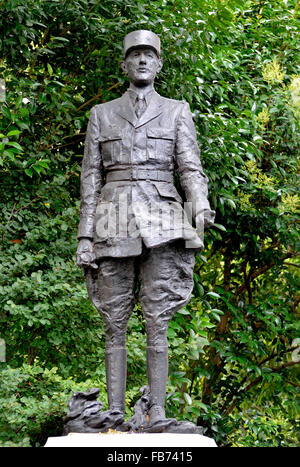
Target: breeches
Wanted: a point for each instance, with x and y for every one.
(165, 276)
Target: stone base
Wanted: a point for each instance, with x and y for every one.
(127, 440)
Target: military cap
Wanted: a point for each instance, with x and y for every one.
(141, 38)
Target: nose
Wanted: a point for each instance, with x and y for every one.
(143, 59)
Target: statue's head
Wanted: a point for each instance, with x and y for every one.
(142, 60)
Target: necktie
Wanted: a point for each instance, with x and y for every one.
(140, 106)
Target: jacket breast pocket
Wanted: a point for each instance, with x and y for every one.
(111, 148)
(160, 143)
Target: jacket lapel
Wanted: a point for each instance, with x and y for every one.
(152, 111)
(127, 112)
(126, 109)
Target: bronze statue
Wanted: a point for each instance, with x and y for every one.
(133, 147)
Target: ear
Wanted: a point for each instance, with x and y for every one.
(124, 67)
(160, 65)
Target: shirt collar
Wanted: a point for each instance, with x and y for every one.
(133, 95)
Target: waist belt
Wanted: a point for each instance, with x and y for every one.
(139, 174)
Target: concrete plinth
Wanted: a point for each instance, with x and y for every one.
(127, 440)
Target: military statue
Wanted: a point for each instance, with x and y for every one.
(133, 225)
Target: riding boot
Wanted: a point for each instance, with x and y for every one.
(157, 371)
(116, 369)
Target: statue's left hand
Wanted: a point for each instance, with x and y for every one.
(85, 256)
(205, 219)
(209, 218)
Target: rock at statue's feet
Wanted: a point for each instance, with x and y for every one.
(85, 414)
(104, 421)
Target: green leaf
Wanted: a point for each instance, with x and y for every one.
(200, 289)
(202, 406)
(15, 145)
(9, 154)
(44, 164)
(257, 138)
(202, 334)
(13, 133)
(58, 82)
(6, 112)
(213, 294)
(231, 203)
(220, 227)
(29, 172)
(187, 398)
(50, 69)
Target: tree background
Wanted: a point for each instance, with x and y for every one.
(234, 349)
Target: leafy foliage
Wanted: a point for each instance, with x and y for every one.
(33, 401)
(233, 349)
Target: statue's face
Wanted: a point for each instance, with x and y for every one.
(142, 66)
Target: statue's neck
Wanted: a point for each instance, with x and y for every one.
(142, 88)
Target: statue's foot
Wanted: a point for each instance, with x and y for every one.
(156, 413)
(157, 420)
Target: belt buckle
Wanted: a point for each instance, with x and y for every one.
(133, 174)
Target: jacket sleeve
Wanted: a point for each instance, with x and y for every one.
(91, 179)
(192, 178)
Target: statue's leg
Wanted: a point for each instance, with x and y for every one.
(166, 285)
(116, 291)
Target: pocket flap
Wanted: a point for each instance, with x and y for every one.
(167, 190)
(109, 136)
(161, 133)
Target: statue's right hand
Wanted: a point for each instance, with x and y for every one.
(85, 256)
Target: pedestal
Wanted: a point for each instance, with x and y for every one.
(127, 440)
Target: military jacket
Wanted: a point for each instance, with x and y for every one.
(128, 197)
